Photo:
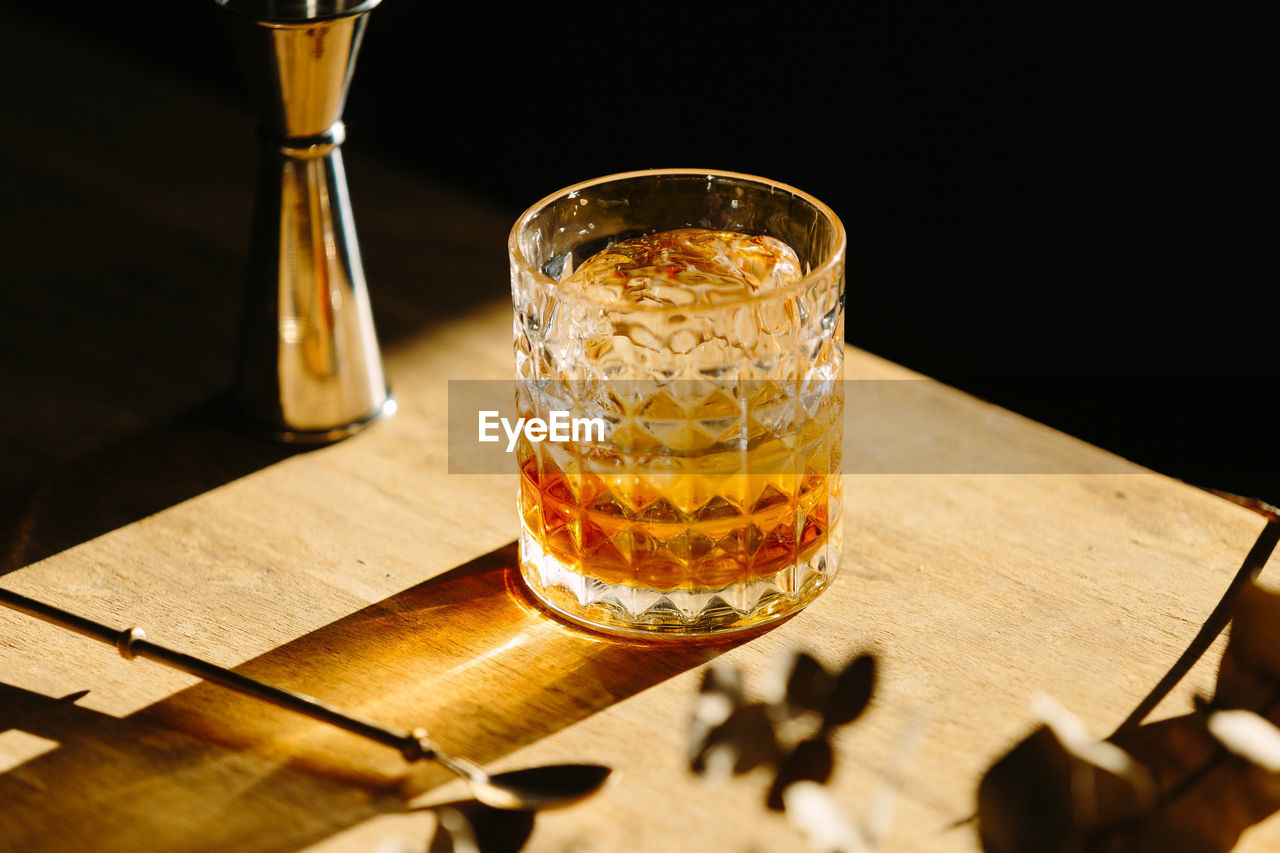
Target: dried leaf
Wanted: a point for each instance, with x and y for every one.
(1056, 789)
(747, 736)
(724, 681)
(851, 693)
(719, 694)
(453, 833)
(1249, 675)
(1249, 736)
(798, 682)
(811, 810)
(1071, 733)
(811, 761)
(1207, 795)
(473, 827)
(1209, 798)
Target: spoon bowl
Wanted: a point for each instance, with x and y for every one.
(532, 788)
(528, 789)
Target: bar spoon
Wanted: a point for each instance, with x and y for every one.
(529, 789)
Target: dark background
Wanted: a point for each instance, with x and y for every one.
(1069, 212)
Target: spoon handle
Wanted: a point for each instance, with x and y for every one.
(132, 642)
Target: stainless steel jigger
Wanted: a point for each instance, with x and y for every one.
(309, 368)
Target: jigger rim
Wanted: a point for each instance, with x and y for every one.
(259, 11)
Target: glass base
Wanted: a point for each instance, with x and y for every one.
(679, 612)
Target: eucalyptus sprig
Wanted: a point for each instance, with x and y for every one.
(1188, 784)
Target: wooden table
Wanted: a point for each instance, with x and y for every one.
(364, 574)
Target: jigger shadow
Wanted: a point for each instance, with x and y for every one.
(482, 670)
(129, 479)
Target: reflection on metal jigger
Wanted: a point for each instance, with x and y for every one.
(309, 369)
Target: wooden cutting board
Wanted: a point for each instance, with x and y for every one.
(366, 575)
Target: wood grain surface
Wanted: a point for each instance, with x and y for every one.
(366, 575)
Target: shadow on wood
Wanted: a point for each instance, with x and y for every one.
(133, 477)
(1214, 624)
(466, 654)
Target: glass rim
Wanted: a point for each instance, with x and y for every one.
(526, 267)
